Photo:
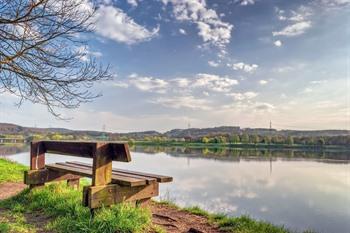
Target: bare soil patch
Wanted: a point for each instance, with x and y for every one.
(9, 189)
(179, 221)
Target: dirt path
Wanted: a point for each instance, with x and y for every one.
(169, 218)
(10, 189)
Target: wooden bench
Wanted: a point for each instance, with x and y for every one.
(109, 185)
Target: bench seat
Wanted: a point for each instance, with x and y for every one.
(119, 176)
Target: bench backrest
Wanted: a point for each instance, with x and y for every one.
(102, 153)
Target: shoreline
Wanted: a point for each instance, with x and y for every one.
(241, 145)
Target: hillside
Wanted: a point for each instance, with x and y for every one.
(6, 128)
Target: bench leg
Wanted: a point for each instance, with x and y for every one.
(106, 195)
(73, 183)
(36, 186)
(143, 202)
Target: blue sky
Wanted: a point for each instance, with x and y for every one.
(212, 63)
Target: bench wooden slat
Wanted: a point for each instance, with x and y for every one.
(159, 178)
(117, 151)
(86, 165)
(81, 171)
(116, 178)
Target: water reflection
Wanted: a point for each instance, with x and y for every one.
(7, 150)
(300, 189)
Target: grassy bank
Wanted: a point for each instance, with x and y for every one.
(62, 207)
(11, 172)
(58, 208)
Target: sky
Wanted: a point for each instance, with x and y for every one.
(197, 63)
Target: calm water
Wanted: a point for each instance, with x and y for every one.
(301, 190)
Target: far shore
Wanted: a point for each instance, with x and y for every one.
(241, 145)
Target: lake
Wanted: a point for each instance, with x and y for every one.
(298, 189)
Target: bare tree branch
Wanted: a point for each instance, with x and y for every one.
(40, 56)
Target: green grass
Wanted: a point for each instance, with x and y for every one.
(63, 206)
(17, 224)
(11, 171)
(4, 227)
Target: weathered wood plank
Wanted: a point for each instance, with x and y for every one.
(81, 149)
(117, 151)
(68, 169)
(120, 152)
(159, 178)
(116, 178)
(41, 176)
(87, 172)
(37, 160)
(101, 165)
(107, 195)
(148, 180)
(37, 155)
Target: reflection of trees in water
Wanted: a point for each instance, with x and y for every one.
(7, 150)
(237, 154)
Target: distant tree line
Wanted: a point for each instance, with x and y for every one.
(209, 139)
(257, 139)
(276, 139)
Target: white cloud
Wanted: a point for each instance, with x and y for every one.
(299, 20)
(280, 14)
(302, 14)
(213, 63)
(264, 107)
(289, 68)
(278, 43)
(203, 83)
(133, 2)
(214, 82)
(246, 2)
(283, 96)
(335, 3)
(263, 82)
(148, 84)
(299, 15)
(294, 29)
(211, 28)
(182, 31)
(307, 90)
(181, 82)
(249, 68)
(319, 81)
(177, 102)
(243, 96)
(113, 23)
(86, 53)
(120, 84)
